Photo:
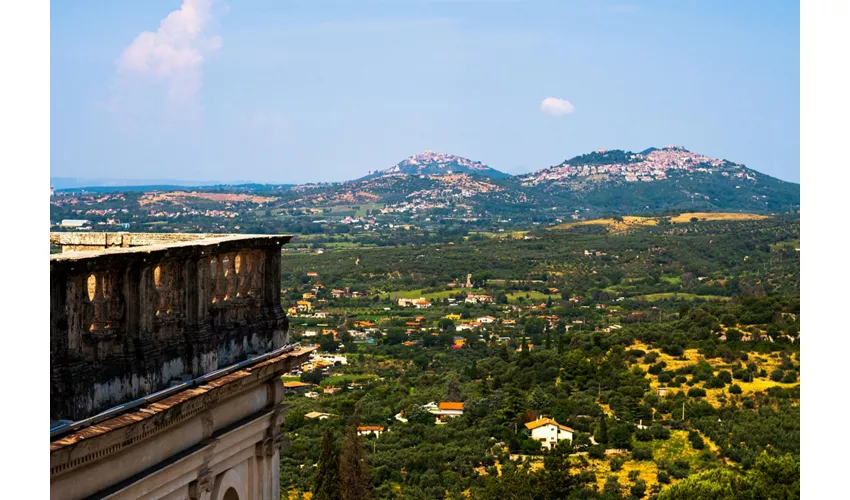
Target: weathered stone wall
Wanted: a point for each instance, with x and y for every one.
(126, 322)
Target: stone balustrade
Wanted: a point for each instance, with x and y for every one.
(130, 318)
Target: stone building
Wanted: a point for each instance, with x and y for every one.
(166, 353)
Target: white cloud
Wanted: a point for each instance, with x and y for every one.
(173, 56)
(556, 107)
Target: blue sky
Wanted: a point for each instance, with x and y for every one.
(320, 90)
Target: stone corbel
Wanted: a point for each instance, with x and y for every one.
(201, 488)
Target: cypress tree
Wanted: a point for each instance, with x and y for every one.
(603, 430)
(328, 485)
(354, 471)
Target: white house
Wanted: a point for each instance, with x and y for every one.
(486, 319)
(74, 222)
(548, 432)
(447, 409)
(474, 298)
(365, 430)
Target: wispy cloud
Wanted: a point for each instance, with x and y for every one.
(173, 56)
(556, 107)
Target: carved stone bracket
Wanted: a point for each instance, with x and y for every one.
(201, 488)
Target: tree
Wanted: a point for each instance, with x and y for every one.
(327, 343)
(602, 435)
(642, 453)
(638, 490)
(453, 389)
(353, 469)
(328, 485)
(612, 486)
(415, 414)
(620, 437)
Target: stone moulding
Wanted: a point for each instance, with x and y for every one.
(117, 434)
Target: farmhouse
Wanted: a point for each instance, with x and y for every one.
(317, 415)
(448, 409)
(474, 298)
(303, 305)
(420, 303)
(365, 430)
(548, 432)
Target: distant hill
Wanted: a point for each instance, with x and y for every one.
(662, 178)
(432, 163)
(596, 183)
(65, 183)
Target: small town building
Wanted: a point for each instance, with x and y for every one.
(447, 409)
(365, 430)
(317, 415)
(548, 432)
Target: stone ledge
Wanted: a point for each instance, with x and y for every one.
(224, 243)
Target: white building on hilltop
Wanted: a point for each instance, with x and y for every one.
(548, 432)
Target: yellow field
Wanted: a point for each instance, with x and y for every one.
(613, 225)
(692, 357)
(677, 447)
(716, 216)
(630, 221)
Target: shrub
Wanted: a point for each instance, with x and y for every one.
(642, 453)
(656, 368)
(696, 392)
(616, 463)
(714, 383)
(663, 477)
(638, 490)
(735, 389)
(790, 377)
(725, 376)
(643, 435)
(673, 350)
(650, 357)
(739, 374)
(612, 486)
(635, 353)
(664, 377)
(587, 477)
(596, 451)
(776, 375)
(696, 440)
(658, 431)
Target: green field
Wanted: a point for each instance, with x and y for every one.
(531, 295)
(415, 294)
(346, 379)
(653, 297)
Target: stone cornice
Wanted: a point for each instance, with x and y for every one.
(116, 434)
